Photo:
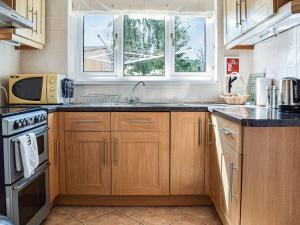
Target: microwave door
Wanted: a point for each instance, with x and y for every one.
(28, 90)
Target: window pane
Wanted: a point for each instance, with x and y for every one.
(98, 50)
(190, 53)
(144, 45)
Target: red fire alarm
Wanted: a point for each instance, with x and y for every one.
(232, 65)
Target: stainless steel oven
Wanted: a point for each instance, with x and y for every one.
(10, 145)
(27, 200)
(24, 200)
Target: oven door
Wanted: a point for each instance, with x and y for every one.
(19, 86)
(28, 199)
(11, 173)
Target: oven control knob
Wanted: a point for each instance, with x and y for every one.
(18, 124)
(24, 122)
(36, 119)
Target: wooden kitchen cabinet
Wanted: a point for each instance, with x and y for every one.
(140, 163)
(88, 164)
(214, 166)
(232, 20)
(225, 169)
(230, 197)
(53, 156)
(188, 153)
(34, 10)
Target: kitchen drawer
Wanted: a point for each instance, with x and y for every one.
(229, 132)
(139, 121)
(87, 121)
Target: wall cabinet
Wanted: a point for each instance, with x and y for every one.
(188, 153)
(88, 168)
(34, 10)
(240, 16)
(53, 156)
(140, 163)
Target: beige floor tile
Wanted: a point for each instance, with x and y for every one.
(157, 216)
(58, 216)
(129, 211)
(112, 218)
(84, 213)
(213, 221)
(187, 221)
(199, 213)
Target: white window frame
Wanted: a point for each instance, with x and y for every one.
(76, 56)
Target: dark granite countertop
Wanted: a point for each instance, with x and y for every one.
(250, 116)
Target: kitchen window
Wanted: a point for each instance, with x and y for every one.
(148, 47)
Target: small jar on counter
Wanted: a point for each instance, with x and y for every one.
(272, 97)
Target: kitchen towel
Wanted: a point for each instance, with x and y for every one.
(29, 153)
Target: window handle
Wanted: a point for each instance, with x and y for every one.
(173, 39)
(116, 37)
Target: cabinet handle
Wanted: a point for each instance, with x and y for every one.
(209, 141)
(105, 152)
(31, 11)
(143, 121)
(115, 152)
(36, 22)
(237, 13)
(56, 152)
(225, 131)
(88, 121)
(200, 132)
(232, 168)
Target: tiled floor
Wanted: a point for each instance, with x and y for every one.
(97, 215)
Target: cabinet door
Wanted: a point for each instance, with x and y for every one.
(140, 163)
(214, 168)
(25, 8)
(53, 156)
(88, 167)
(39, 21)
(232, 19)
(187, 153)
(230, 186)
(257, 11)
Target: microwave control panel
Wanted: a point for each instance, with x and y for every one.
(52, 87)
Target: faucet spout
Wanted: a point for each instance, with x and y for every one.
(132, 97)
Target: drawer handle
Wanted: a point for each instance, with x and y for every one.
(232, 168)
(141, 121)
(225, 131)
(88, 121)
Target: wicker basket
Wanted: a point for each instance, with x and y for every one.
(235, 99)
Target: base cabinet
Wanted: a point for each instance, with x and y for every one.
(225, 169)
(53, 156)
(88, 164)
(188, 153)
(140, 163)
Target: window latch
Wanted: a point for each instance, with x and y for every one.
(172, 39)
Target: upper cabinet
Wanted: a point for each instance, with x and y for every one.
(232, 21)
(34, 10)
(248, 22)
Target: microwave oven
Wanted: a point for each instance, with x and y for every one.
(36, 89)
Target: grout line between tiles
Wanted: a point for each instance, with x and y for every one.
(71, 215)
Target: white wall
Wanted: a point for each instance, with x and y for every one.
(280, 56)
(54, 57)
(9, 64)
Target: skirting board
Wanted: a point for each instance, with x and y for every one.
(184, 200)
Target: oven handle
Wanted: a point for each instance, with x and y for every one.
(27, 181)
(40, 132)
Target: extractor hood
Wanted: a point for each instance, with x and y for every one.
(9, 18)
(287, 17)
